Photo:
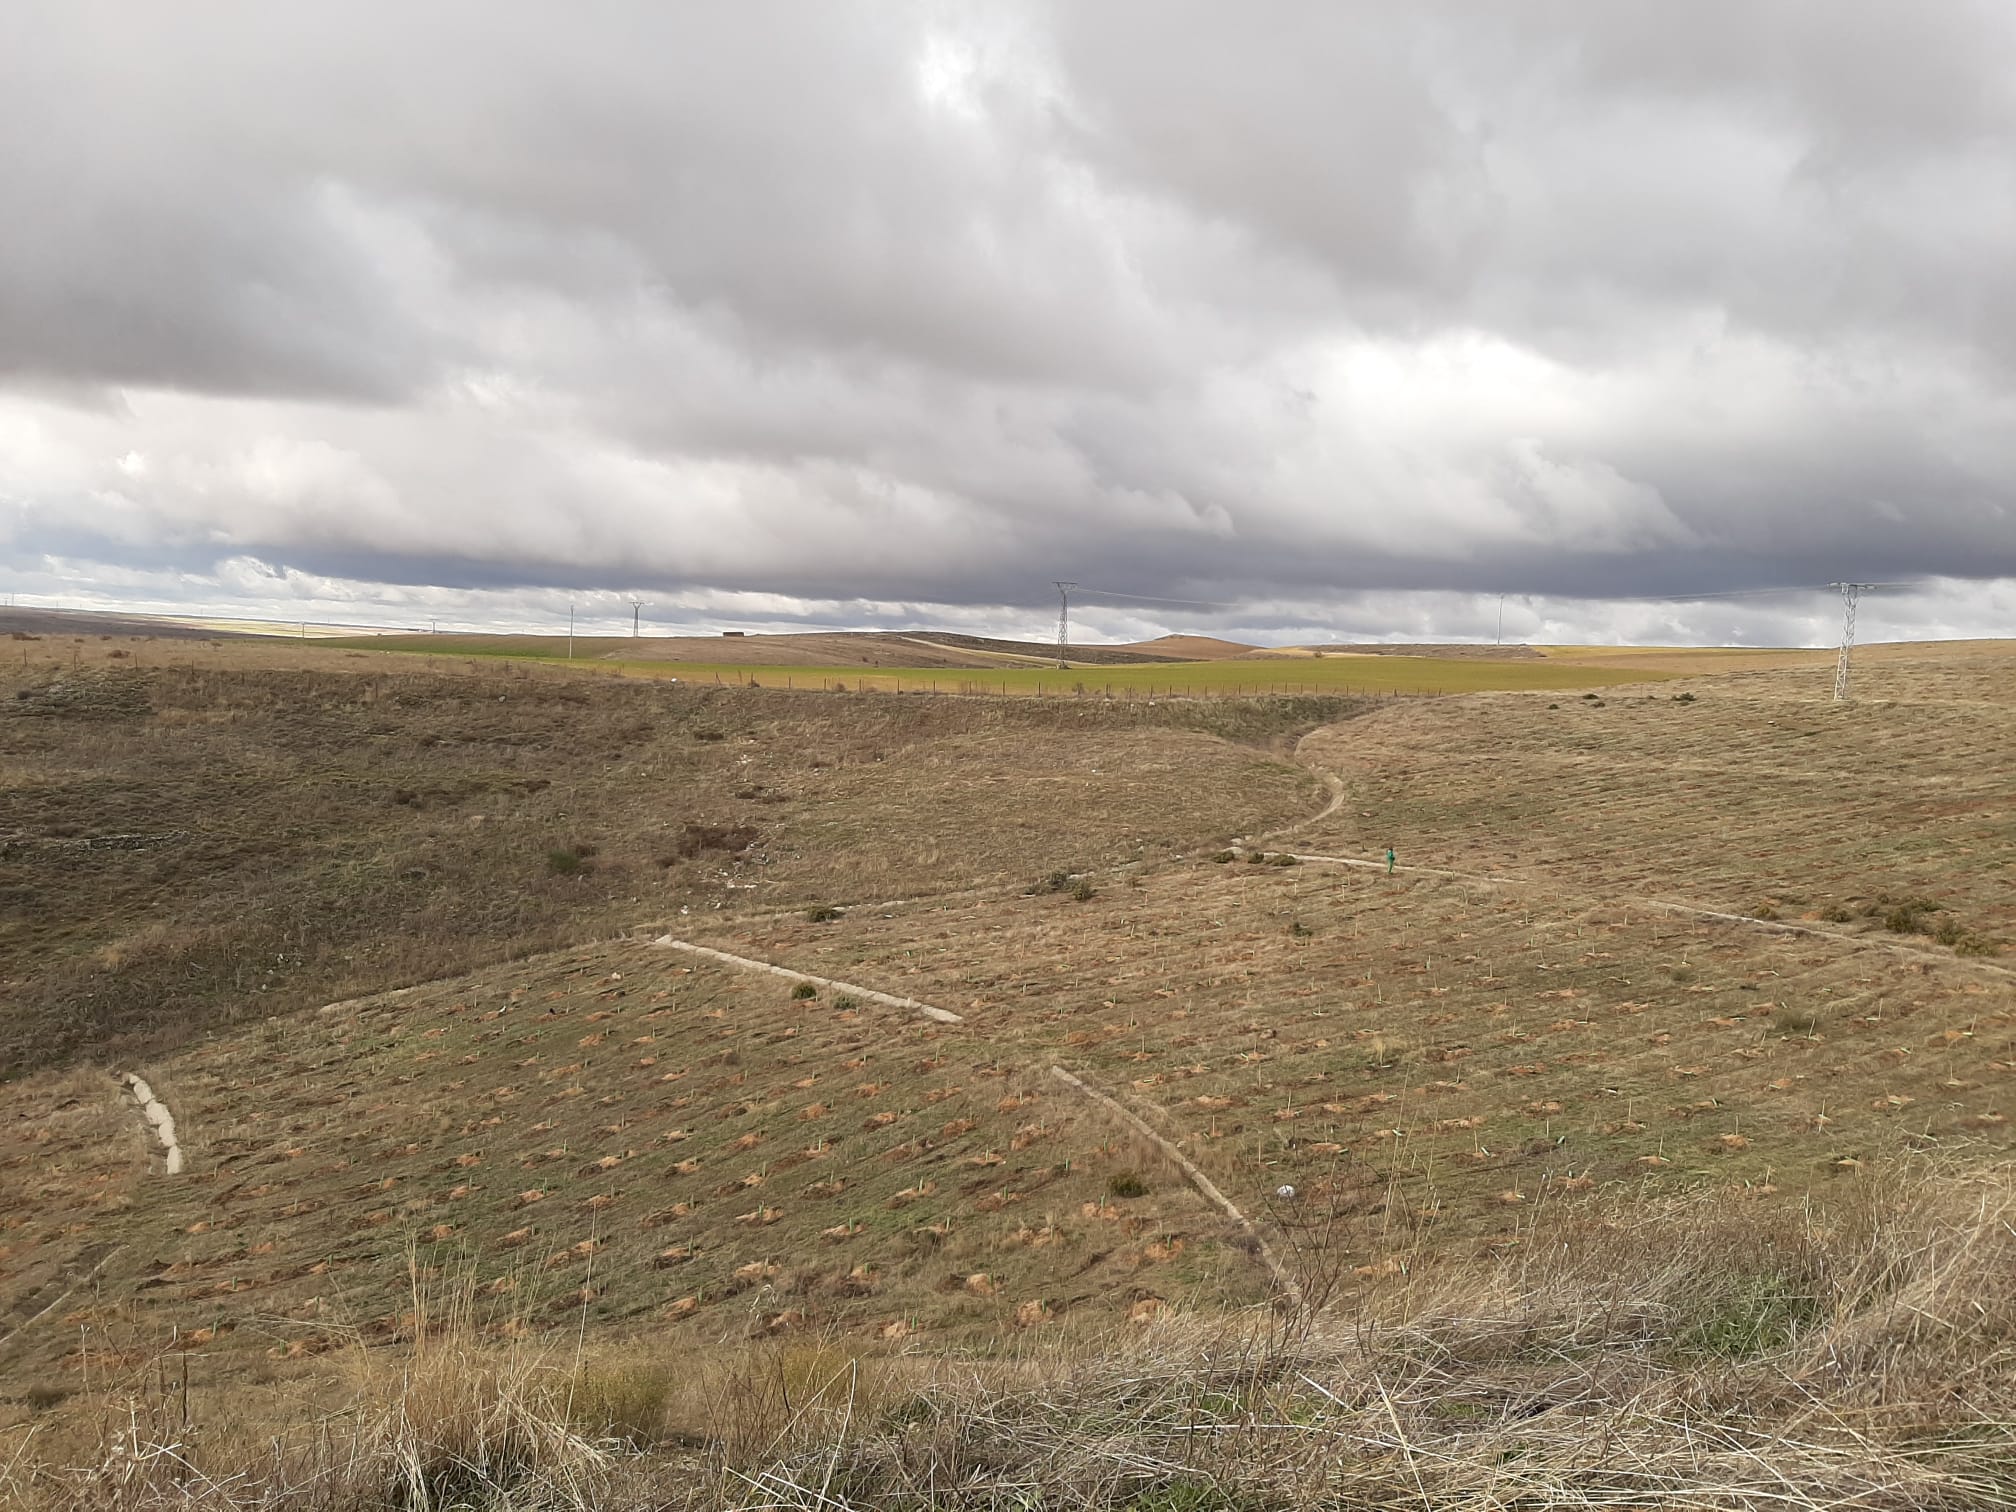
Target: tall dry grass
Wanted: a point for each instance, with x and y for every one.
(1708, 1352)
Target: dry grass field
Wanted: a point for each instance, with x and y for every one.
(1130, 1137)
(1750, 793)
(187, 844)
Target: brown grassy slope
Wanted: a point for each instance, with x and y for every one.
(614, 1140)
(1520, 1134)
(1759, 794)
(1606, 1194)
(1445, 1061)
(1710, 1350)
(1702, 1353)
(1191, 647)
(182, 847)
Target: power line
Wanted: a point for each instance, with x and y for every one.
(1786, 590)
(1149, 598)
(1791, 590)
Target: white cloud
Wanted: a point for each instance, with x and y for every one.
(913, 304)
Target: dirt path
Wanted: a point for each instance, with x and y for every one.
(1201, 1183)
(160, 1119)
(1205, 1187)
(746, 963)
(1658, 905)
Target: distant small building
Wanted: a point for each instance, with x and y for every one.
(734, 634)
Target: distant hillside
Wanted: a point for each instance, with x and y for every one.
(1194, 648)
(872, 648)
(99, 622)
(1466, 652)
(1104, 656)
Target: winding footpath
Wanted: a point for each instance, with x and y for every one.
(1335, 784)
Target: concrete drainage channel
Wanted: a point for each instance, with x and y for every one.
(159, 1119)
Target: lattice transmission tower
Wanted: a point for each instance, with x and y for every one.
(1063, 622)
(1850, 593)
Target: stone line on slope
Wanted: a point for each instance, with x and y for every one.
(160, 1119)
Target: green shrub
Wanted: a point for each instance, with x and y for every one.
(1834, 913)
(804, 990)
(1083, 889)
(1127, 1184)
(564, 861)
(1187, 1493)
(1760, 1313)
(1225, 855)
(821, 913)
(1907, 915)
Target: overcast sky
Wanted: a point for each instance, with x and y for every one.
(1338, 320)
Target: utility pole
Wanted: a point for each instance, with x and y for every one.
(1501, 619)
(1849, 592)
(570, 632)
(636, 614)
(1063, 622)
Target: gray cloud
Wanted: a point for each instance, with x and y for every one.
(867, 305)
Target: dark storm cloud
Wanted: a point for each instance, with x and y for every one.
(895, 303)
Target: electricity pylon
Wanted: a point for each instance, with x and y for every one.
(1063, 622)
(1849, 592)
